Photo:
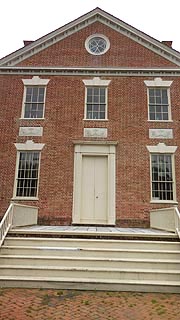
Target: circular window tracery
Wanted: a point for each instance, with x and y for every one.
(97, 44)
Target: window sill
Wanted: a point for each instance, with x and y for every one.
(161, 121)
(95, 119)
(25, 198)
(164, 201)
(32, 118)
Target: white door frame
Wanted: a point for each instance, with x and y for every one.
(92, 148)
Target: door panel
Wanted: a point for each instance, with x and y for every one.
(87, 196)
(94, 189)
(100, 197)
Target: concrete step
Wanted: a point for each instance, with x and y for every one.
(90, 273)
(90, 252)
(101, 264)
(90, 284)
(54, 261)
(90, 243)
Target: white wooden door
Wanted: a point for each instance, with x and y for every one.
(94, 187)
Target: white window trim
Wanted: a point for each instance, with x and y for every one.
(29, 145)
(162, 148)
(169, 106)
(96, 81)
(158, 82)
(35, 81)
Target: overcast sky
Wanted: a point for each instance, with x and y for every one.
(29, 20)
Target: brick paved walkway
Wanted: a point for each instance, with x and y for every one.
(41, 304)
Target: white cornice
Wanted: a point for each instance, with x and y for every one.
(80, 23)
(87, 71)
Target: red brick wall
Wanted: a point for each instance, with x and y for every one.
(123, 52)
(63, 123)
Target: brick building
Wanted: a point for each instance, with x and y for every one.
(89, 120)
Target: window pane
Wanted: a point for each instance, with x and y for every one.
(151, 92)
(102, 115)
(28, 98)
(159, 116)
(165, 100)
(151, 100)
(102, 99)
(27, 111)
(152, 116)
(29, 90)
(96, 91)
(102, 91)
(89, 91)
(35, 95)
(89, 99)
(152, 109)
(40, 106)
(102, 107)
(158, 109)
(89, 115)
(39, 114)
(33, 106)
(41, 98)
(158, 100)
(165, 109)
(96, 107)
(96, 99)
(164, 95)
(41, 91)
(95, 115)
(165, 116)
(89, 107)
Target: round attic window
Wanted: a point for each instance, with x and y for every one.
(97, 44)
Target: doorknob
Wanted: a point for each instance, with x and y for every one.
(96, 197)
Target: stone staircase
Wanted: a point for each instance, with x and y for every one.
(90, 264)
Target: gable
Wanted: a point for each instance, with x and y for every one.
(71, 51)
(65, 46)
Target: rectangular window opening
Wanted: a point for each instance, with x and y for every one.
(28, 174)
(34, 102)
(159, 104)
(96, 103)
(162, 177)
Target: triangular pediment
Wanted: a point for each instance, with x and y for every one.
(96, 15)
